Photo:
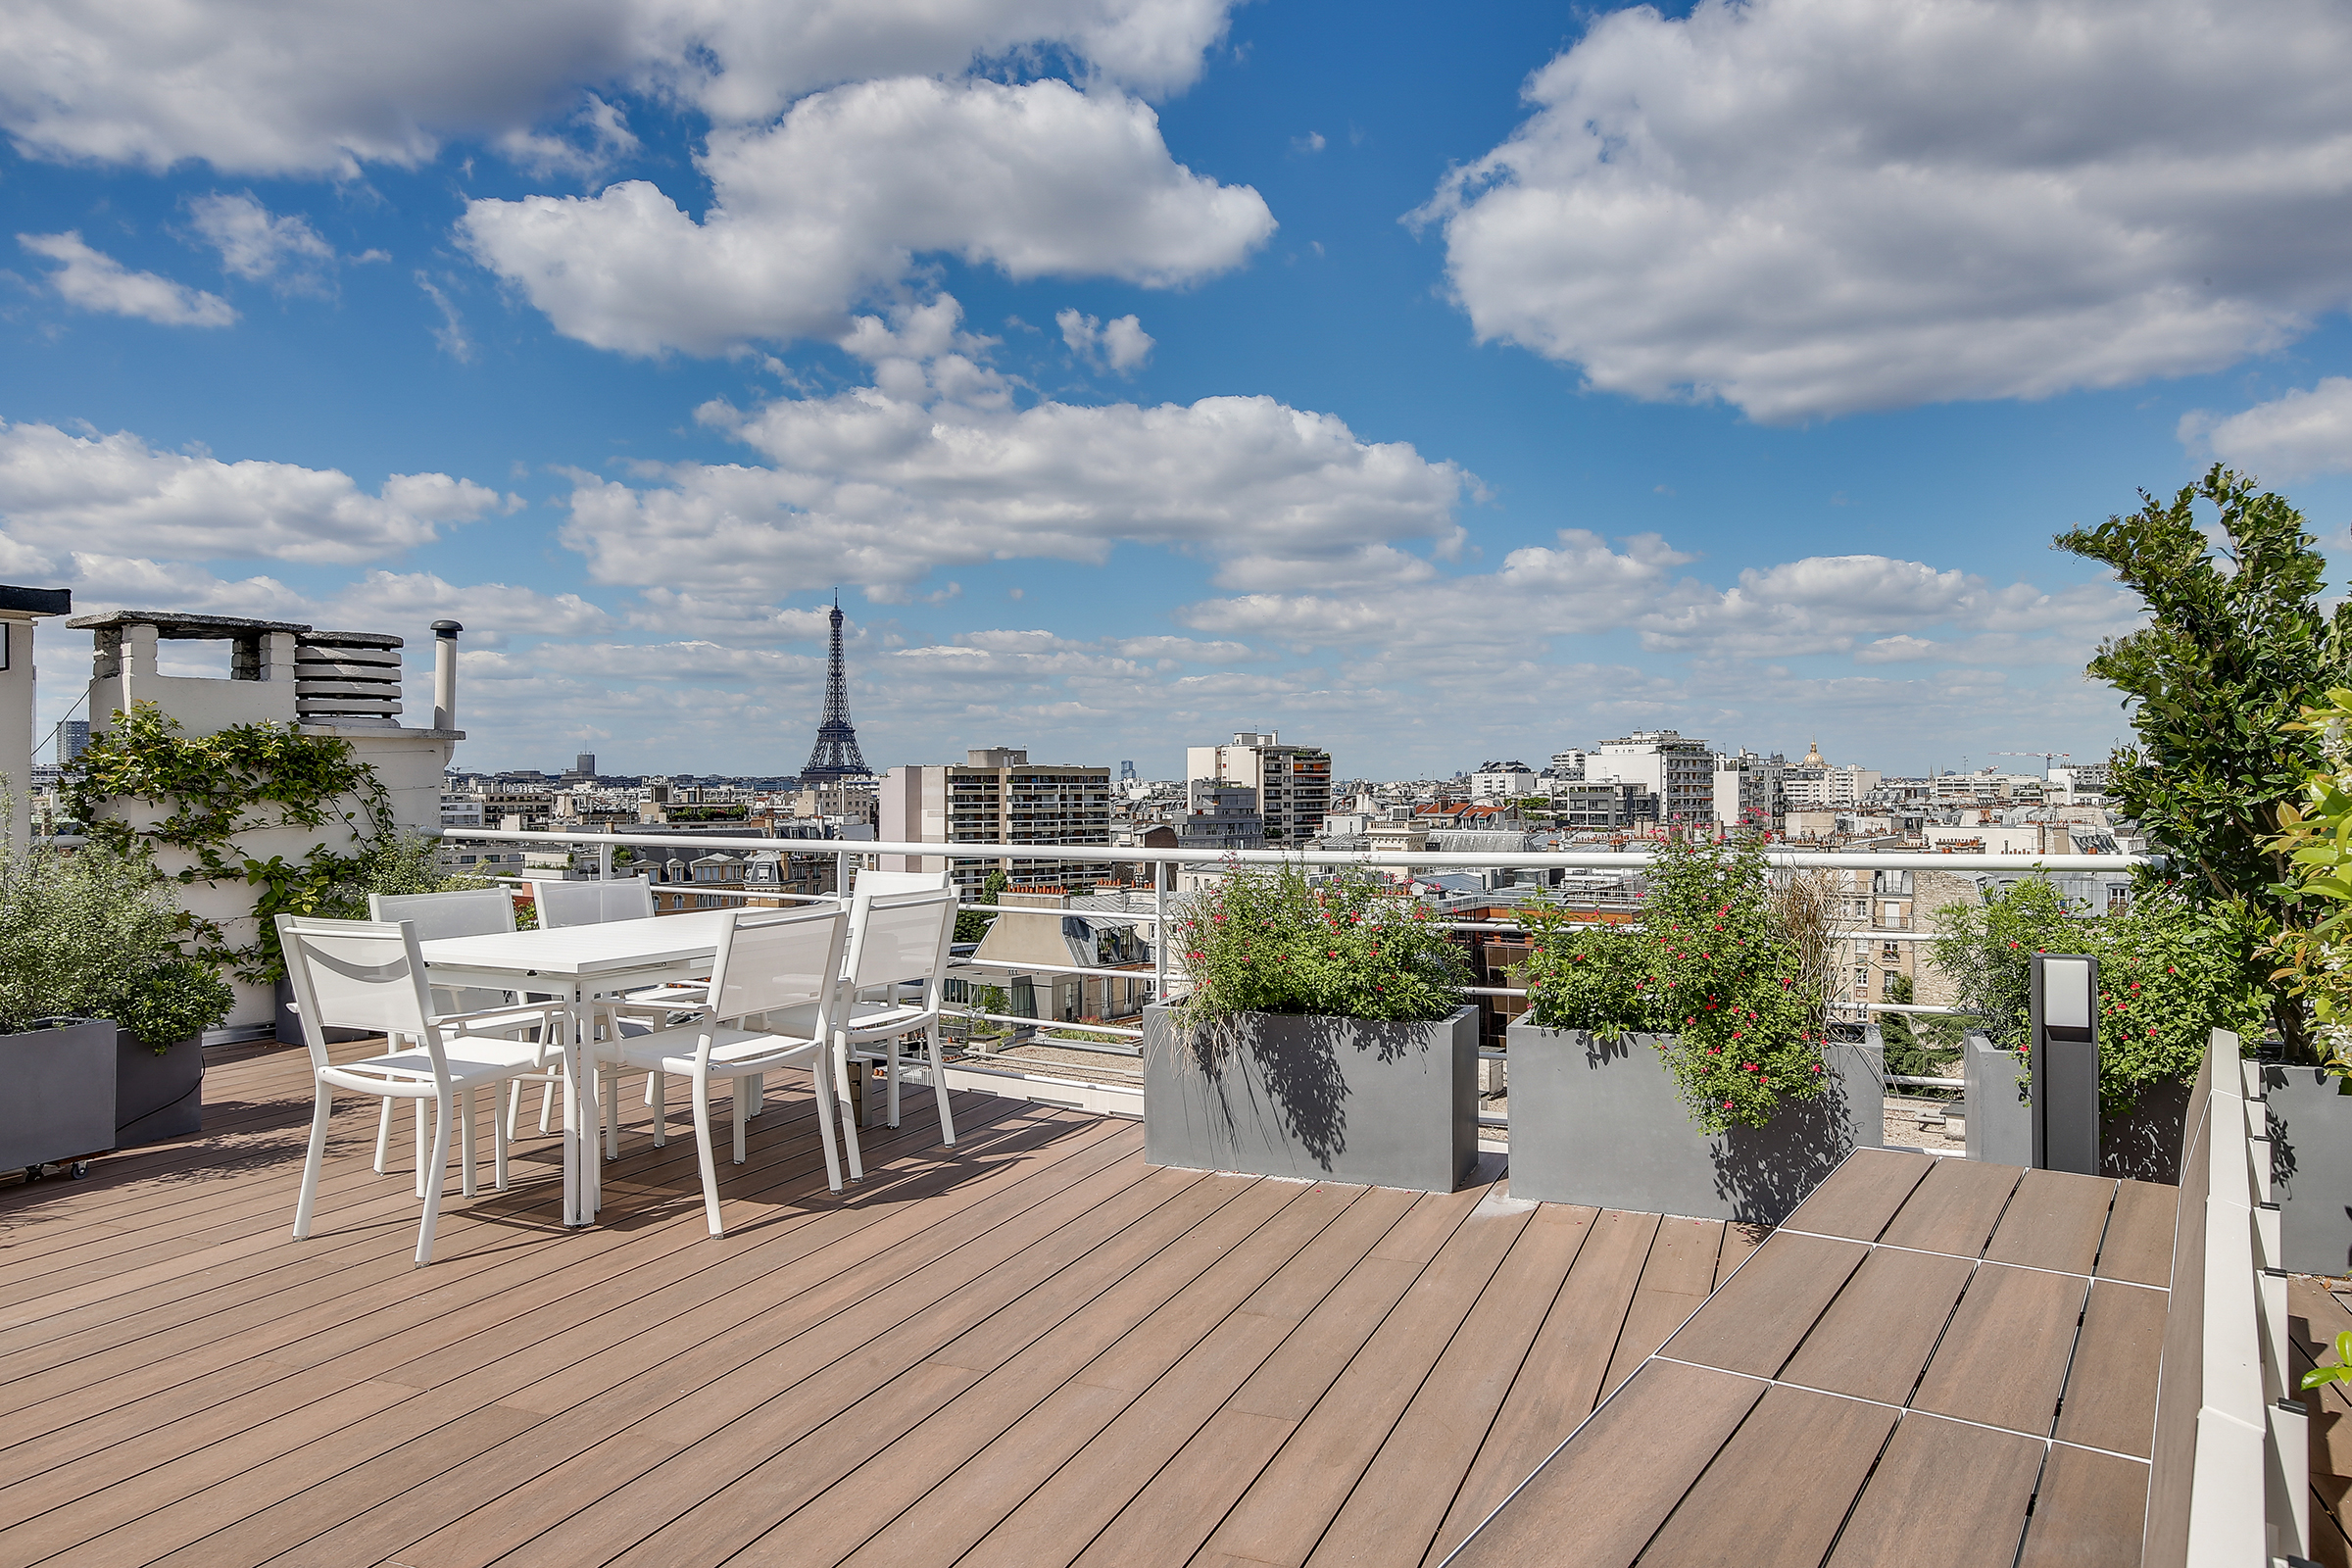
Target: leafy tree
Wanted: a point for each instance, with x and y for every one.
(2236, 646)
(1917, 1045)
(972, 924)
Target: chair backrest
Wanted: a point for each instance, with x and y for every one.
(592, 903)
(901, 936)
(465, 912)
(357, 974)
(769, 963)
(873, 884)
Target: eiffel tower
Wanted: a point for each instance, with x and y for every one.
(836, 755)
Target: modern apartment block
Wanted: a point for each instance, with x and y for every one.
(997, 796)
(1679, 770)
(1224, 816)
(1293, 782)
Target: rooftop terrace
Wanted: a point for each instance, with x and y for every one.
(1035, 1348)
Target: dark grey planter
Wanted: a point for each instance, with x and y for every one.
(287, 1028)
(58, 1103)
(1605, 1125)
(1343, 1099)
(2311, 1167)
(157, 1096)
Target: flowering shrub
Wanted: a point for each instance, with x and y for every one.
(2169, 976)
(1268, 941)
(1709, 971)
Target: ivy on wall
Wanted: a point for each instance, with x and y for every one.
(213, 789)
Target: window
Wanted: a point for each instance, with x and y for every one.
(709, 901)
(1889, 952)
(1886, 980)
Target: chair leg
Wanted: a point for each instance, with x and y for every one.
(659, 1093)
(848, 1118)
(701, 1149)
(417, 1104)
(502, 1133)
(737, 1101)
(652, 1083)
(383, 1136)
(546, 1105)
(821, 1074)
(466, 1147)
(443, 1112)
(892, 1054)
(759, 1094)
(939, 1087)
(308, 1202)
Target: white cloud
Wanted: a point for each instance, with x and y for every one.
(253, 86)
(1808, 207)
(260, 245)
(878, 489)
(603, 136)
(1120, 344)
(838, 198)
(59, 491)
(96, 281)
(2290, 437)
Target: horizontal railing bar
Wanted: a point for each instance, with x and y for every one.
(1923, 1083)
(1044, 1023)
(1023, 966)
(1626, 859)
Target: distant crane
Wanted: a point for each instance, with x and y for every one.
(2046, 757)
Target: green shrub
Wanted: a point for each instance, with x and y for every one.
(1709, 971)
(2170, 974)
(1269, 940)
(95, 933)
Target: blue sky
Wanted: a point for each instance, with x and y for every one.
(1438, 383)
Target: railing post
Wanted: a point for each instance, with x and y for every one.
(604, 862)
(1160, 872)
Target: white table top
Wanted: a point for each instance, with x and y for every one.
(576, 952)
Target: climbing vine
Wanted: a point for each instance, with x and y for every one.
(212, 789)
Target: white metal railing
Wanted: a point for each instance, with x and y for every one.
(1166, 977)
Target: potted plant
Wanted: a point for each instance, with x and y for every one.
(391, 863)
(1680, 1066)
(1324, 1037)
(95, 934)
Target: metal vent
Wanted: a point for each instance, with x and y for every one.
(347, 678)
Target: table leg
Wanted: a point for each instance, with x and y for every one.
(578, 1165)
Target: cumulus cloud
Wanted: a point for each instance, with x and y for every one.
(258, 245)
(1120, 344)
(879, 489)
(843, 193)
(1809, 206)
(96, 281)
(59, 491)
(256, 87)
(2303, 433)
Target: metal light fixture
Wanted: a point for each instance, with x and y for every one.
(2065, 1018)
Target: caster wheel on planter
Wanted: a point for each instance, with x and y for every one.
(79, 1170)
(32, 1173)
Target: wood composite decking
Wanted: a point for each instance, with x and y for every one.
(1029, 1349)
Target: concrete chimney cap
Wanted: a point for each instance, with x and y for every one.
(446, 629)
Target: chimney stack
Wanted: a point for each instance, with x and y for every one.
(445, 674)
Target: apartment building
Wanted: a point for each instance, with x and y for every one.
(1679, 770)
(998, 796)
(1293, 782)
(1224, 816)
(1503, 781)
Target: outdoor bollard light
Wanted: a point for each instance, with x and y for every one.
(2065, 1020)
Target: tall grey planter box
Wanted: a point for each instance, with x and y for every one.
(1603, 1124)
(2000, 1118)
(2311, 1167)
(157, 1098)
(58, 1102)
(1343, 1099)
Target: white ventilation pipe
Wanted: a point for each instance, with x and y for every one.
(445, 674)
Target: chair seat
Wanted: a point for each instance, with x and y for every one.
(674, 1051)
(472, 1062)
(868, 1020)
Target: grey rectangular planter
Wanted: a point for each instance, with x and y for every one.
(1343, 1099)
(2311, 1167)
(58, 1103)
(1605, 1125)
(157, 1098)
(2143, 1143)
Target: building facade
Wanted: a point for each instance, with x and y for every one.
(1679, 770)
(1293, 782)
(998, 796)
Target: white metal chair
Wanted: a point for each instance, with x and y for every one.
(462, 913)
(367, 974)
(768, 963)
(592, 903)
(895, 937)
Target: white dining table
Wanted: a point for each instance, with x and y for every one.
(577, 964)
